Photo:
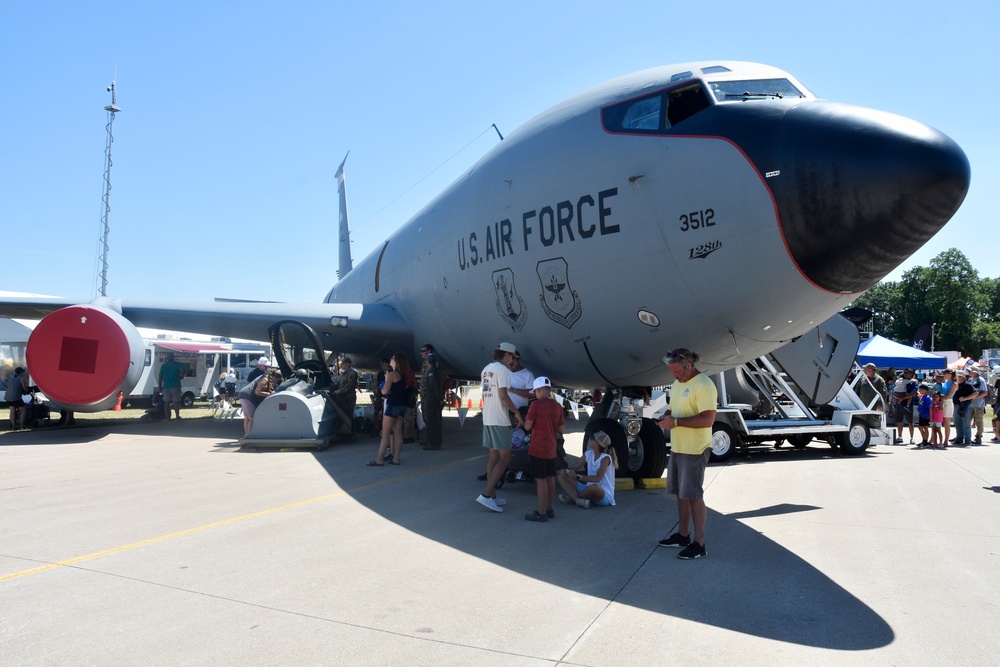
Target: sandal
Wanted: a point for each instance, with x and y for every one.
(374, 463)
(391, 462)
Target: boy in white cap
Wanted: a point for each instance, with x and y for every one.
(545, 422)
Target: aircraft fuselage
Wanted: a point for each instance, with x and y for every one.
(596, 246)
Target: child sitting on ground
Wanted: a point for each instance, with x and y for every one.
(545, 421)
(597, 486)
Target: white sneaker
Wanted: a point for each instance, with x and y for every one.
(488, 503)
(583, 503)
(563, 498)
(499, 501)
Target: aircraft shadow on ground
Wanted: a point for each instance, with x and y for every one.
(228, 431)
(749, 584)
(814, 451)
(53, 436)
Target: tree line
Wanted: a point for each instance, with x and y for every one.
(950, 294)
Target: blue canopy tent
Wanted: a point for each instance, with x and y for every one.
(885, 353)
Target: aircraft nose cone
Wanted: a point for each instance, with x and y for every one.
(860, 190)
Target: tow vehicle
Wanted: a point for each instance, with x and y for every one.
(798, 393)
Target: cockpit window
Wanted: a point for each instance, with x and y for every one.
(682, 103)
(754, 89)
(643, 114)
(646, 115)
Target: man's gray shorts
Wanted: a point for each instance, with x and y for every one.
(172, 396)
(686, 474)
(903, 414)
(497, 437)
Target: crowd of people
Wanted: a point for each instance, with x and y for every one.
(928, 405)
(516, 405)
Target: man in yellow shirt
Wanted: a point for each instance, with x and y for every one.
(693, 400)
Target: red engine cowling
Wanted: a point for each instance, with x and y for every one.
(82, 356)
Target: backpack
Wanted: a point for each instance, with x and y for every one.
(991, 390)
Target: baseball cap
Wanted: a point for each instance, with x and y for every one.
(603, 439)
(263, 361)
(540, 382)
(871, 366)
(507, 347)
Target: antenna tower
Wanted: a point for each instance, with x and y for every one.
(112, 109)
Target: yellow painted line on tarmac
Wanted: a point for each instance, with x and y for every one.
(226, 522)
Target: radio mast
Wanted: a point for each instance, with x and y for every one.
(112, 109)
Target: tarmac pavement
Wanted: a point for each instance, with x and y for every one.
(165, 544)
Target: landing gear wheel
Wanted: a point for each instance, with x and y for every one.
(654, 450)
(856, 439)
(723, 442)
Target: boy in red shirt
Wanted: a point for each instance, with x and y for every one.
(545, 421)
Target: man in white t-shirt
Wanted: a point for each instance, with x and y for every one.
(521, 381)
(497, 431)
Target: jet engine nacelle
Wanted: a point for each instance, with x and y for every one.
(82, 356)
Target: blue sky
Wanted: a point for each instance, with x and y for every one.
(235, 116)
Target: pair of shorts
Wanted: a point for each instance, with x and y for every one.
(230, 390)
(924, 421)
(541, 468)
(497, 437)
(394, 411)
(903, 414)
(248, 407)
(686, 474)
(172, 396)
(605, 501)
(948, 407)
(935, 424)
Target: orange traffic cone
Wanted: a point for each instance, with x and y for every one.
(480, 402)
(118, 405)
(470, 403)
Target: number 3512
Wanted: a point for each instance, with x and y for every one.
(697, 219)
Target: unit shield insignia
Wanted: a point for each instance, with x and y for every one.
(510, 305)
(559, 301)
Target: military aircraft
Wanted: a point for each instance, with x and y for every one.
(719, 206)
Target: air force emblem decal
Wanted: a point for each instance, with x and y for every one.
(509, 303)
(560, 302)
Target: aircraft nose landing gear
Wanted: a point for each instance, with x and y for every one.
(639, 443)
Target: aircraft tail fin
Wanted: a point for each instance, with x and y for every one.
(346, 263)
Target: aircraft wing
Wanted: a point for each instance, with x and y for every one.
(367, 330)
